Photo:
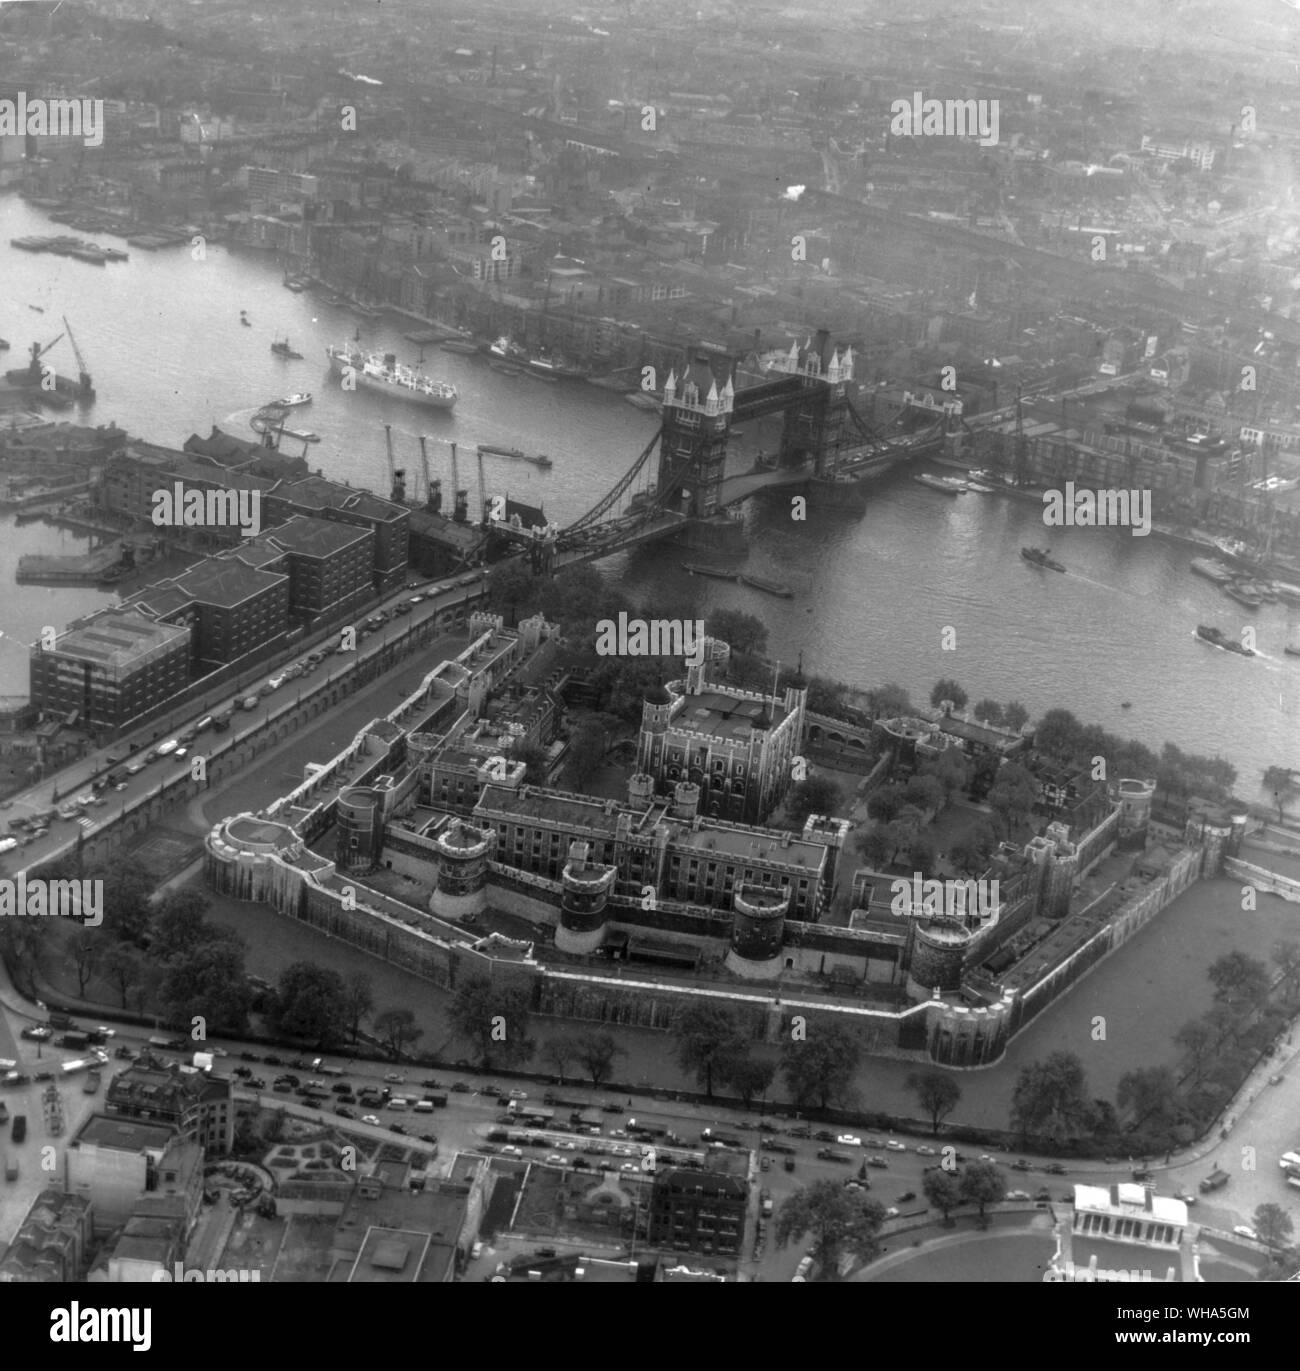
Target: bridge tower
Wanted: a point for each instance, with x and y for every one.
(813, 428)
(693, 445)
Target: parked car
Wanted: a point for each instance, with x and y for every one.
(895, 1146)
(925, 1150)
(1055, 1169)
(369, 1118)
(849, 1140)
(877, 1162)
(1244, 1231)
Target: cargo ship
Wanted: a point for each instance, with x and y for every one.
(538, 460)
(384, 374)
(1207, 633)
(762, 583)
(1212, 571)
(718, 574)
(1038, 557)
(949, 485)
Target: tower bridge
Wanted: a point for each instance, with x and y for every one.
(826, 448)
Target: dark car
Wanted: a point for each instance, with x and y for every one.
(1043, 1194)
(19, 1127)
(1055, 1169)
(824, 1135)
(429, 1138)
(344, 1112)
(609, 1107)
(44, 1075)
(256, 1083)
(460, 1087)
(288, 1080)
(877, 1162)
(431, 1084)
(341, 1088)
(273, 1061)
(789, 1163)
(282, 1088)
(492, 1090)
(241, 1071)
(396, 1128)
(249, 1057)
(905, 1196)
(801, 1131)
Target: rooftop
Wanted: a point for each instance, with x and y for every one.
(727, 714)
(120, 639)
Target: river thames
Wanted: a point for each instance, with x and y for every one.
(162, 337)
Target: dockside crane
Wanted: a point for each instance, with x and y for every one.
(35, 353)
(85, 387)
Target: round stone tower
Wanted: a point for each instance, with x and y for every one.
(587, 884)
(938, 954)
(461, 886)
(360, 819)
(1135, 799)
(686, 800)
(757, 931)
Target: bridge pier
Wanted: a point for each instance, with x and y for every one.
(722, 534)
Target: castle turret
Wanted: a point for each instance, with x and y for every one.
(1135, 799)
(757, 931)
(461, 885)
(640, 789)
(937, 956)
(686, 801)
(587, 886)
(360, 822)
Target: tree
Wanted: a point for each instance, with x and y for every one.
(816, 795)
(84, 948)
(1012, 796)
(1059, 734)
(359, 1000)
(1286, 957)
(708, 1037)
(952, 772)
(1050, 1099)
(820, 1068)
(1197, 1039)
(535, 761)
(178, 925)
(884, 804)
(742, 632)
(1150, 1093)
(1014, 715)
(922, 852)
(888, 702)
(983, 1183)
(586, 750)
(397, 1030)
(1272, 1224)
(208, 982)
(943, 1191)
(128, 886)
(311, 1003)
(23, 946)
(596, 1052)
(970, 854)
(511, 587)
(925, 792)
(989, 712)
(494, 1019)
(839, 1222)
(121, 968)
(749, 1076)
(947, 689)
(1240, 982)
(558, 1052)
(876, 846)
(937, 1093)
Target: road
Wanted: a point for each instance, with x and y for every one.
(63, 834)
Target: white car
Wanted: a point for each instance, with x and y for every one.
(926, 1151)
(554, 1159)
(629, 1166)
(567, 1146)
(895, 1146)
(848, 1140)
(370, 1118)
(518, 1095)
(1243, 1232)
(511, 1152)
(1018, 1194)
(892, 1212)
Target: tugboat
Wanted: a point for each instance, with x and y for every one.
(1038, 557)
(299, 397)
(282, 349)
(949, 485)
(1207, 633)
